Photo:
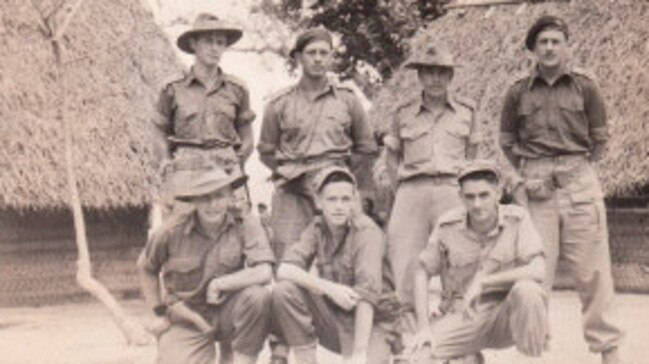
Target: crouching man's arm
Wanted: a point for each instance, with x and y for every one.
(259, 274)
(150, 285)
(340, 294)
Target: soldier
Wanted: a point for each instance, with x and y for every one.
(430, 139)
(212, 266)
(343, 307)
(490, 258)
(307, 127)
(553, 129)
(204, 119)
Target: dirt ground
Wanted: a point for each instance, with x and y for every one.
(85, 334)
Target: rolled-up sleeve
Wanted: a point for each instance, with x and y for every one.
(303, 252)
(270, 132)
(596, 113)
(431, 257)
(257, 248)
(529, 243)
(361, 131)
(508, 127)
(245, 115)
(368, 265)
(164, 108)
(156, 252)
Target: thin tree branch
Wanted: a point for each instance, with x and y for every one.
(70, 11)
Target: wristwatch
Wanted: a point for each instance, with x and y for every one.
(160, 310)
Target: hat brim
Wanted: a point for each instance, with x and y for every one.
(183, 42)
(232, 181)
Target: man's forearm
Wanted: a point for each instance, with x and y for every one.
(150, 285)
(302, 278)
(363, 322)
(161, 150)
(534, 270)
(257, 275)
(421, 298)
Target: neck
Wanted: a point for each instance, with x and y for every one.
(337, 231)
(206, 73)
(313, 84)
(435, 101)
(550, 74)
(483, 226)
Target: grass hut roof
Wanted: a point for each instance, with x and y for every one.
(115, 60)
(610, 39)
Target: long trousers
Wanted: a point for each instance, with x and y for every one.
(571, 218)
(242, 320)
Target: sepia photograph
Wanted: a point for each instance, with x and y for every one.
(324, 182)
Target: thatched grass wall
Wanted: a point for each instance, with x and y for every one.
(116, 59)
(609, 38)
(38, 254)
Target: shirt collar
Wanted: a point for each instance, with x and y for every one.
(328, 88)
(191, 77)
(499, 226)
(535, 75)
(194, 226)
(420, 106)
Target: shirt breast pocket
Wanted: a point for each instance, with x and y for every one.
(337, 122)
(220, 121)
(452, 141)
(530, 115)
(186, 121)
(417, 145)
(183, 274)
(231, 258)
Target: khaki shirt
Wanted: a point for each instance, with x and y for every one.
(298, 129)
(542, 120)
(456, 253)
(432, 144)
(188, 109)
(358, 261)
(189, 258)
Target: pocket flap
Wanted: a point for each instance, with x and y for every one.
(411, 132)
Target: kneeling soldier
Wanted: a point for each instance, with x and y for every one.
(212, 265)
(348, 307)
(491, 262)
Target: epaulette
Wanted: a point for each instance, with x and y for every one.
(406, 103)
(280, 93)
(453, 216)
(465, 101)
(584, 73)
(343, 86)
(235, 80)
(514, 211)
(171, 80)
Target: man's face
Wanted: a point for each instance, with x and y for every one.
(551, 48)
(337, 200)
(316, 58)
(435, 79)
(209, 47)
(480, 199)
(212, 208)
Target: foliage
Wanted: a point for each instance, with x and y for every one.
(372, 32)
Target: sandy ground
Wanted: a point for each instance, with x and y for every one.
(85, 334)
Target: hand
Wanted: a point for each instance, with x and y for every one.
(157, 325)
(214, 295)
(342, 295)
(472, 297)
(421, 346)
(180, 312)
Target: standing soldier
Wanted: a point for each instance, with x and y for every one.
(431, 138)
(553, 129)
(204, 119)
(307, 127)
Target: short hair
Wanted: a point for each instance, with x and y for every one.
(336, 176)
(482, 175)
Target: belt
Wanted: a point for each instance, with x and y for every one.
(199, 143)
(435, 179)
